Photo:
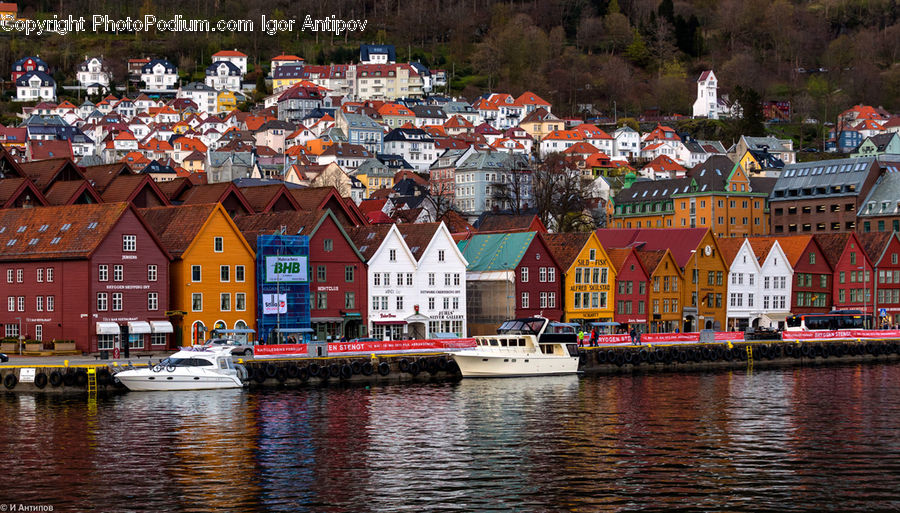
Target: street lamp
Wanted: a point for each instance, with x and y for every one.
(695, 276)
(21, 338)
(865, 293)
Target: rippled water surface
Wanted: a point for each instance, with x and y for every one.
(810, 439)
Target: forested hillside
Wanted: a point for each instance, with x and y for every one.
(641, 54)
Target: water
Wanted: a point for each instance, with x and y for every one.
(805, 439)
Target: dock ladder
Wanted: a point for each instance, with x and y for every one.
(92, 380)
(749, 356)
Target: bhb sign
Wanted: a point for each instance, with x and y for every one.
(286, 269)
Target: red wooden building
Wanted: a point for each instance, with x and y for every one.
(94, 274)
(632, 290)
(338, 279)
(813, 276)
(852, 279)
(883, 249)
(531, 290)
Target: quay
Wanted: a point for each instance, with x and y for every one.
(84, 374)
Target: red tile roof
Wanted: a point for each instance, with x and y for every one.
(565, 246)
(56, 233)
(177, 226)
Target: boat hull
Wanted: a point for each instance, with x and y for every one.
(475, 365)
(146, 380)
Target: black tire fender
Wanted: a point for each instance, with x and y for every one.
(56, 379)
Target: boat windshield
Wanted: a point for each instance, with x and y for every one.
(521, 327)
(185, 362)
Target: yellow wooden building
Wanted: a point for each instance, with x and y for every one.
(588, 289)
(213, 274)
(665, 291)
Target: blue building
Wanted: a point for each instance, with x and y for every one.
(282, 289)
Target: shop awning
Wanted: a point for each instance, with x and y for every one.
(327, 319)
(394, 321)
(138, 327)
(161, 327)
(107, 328)
(240, 331)
(294, 330)
(776, 316)
(605, 324)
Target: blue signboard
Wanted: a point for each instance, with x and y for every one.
(282, 288)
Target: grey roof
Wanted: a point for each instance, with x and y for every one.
(840, 177)
(759, 143)
(653, 190)
(197, 86)
(91, 160)
(457, 107)
(373, 167)
(716, 145)
(490, 160)
(169, 67)
(453, 153)
(259, 182)
(213, 69)
(880, 141)
(217, 158)
(365, 51)
(767, 160)
(884, 198)
(361, 122)
(408, 134)
(428, 111)
(46, 80)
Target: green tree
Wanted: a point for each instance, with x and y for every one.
(750, 102)
(637, 52)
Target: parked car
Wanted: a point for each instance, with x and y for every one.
(3, 358)
(237, 348)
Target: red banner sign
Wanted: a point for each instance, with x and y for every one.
(614, 339)
(840, 334)
(377, 346)
(729, 335)
(654, 338)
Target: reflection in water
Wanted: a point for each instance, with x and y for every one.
(792, 439)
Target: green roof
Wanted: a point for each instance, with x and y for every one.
(495, 251)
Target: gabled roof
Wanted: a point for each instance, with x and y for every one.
(650, 259)
(177, 227)
(71, 192)
(127, 187)
(566, 246)
(368, 239)
(490, 222)
(794, 247)
(101, 176)
(833, 245)
(265, 197)
(730, 247)
(56, 233)
(12, 190)
(680, 241)
(495, 251)
(418, 236)
(44, 172)
(875, 244)
(214, 193)
(618, 256)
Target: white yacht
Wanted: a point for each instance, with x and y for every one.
(522, 347)
(195, 368)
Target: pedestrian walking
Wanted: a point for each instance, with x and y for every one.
(633, 336)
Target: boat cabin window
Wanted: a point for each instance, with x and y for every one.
(573, 349)
(186, 362)
(494, 343)
(223, 363)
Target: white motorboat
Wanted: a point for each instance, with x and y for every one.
(203, 368)
(522, 347)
